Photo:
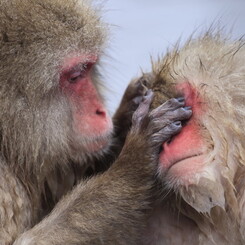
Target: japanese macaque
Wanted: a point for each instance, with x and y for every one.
(202, 169)
(55, 131)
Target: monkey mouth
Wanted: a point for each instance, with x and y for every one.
(187, 158)
(186, 166)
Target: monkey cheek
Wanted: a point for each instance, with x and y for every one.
(183, 157)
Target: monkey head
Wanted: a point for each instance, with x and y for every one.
(204, 161)
(50, 87)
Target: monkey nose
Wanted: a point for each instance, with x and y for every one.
(100, 112)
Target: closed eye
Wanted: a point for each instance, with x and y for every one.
(76, 75)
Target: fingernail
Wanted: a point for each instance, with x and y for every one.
(178, 123)
(181, 99)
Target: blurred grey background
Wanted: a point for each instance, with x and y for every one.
(144, 28)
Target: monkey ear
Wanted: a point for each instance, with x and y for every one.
(204, 196)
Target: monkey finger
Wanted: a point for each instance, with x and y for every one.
(143, 108)
(166, 133)
(138, 87)
(137, 100)
(170, 118)
(180, 114)
(169, 105)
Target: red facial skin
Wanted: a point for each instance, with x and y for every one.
(90, 118)
(184, 155)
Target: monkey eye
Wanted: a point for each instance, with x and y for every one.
(76, 75)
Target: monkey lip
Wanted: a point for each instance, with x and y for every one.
(189, 158)
(179, 167)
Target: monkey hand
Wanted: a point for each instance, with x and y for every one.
(129, 103)
(150, 129)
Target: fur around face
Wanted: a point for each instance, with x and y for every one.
(36, 142)
(211, 200)
(35, 37)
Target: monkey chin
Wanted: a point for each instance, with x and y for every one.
(94, 145)
(184, 156)
(99, 145)
(100, 142)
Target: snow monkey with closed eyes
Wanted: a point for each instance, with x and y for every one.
(202, 169)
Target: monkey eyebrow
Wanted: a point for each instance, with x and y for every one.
(79, 67)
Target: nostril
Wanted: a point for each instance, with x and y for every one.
(100, 112)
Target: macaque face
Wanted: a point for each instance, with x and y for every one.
(51, 81)
(202, 160)
(90, 118)
(184, 156)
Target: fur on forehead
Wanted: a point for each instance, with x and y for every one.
(56, 23)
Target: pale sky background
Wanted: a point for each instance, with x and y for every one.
(144, 28)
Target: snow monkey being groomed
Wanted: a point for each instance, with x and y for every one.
(202, 169)
(55, 132)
